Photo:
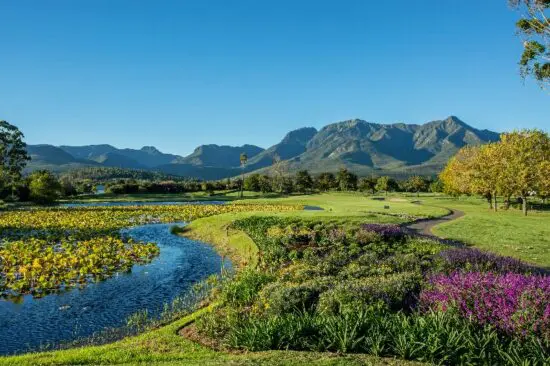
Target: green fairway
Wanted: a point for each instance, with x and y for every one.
(358, 204)
(503, 232)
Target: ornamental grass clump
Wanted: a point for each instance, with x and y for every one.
(514, 304)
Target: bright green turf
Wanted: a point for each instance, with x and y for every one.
(504, 232)
(357, 204)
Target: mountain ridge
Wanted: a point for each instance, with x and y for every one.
(366, 148)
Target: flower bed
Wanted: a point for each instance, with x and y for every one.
(513, 303)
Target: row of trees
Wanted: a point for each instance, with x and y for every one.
(518, 165)
(344, 180)
(301, 182)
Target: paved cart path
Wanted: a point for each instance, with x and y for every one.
(425, 226)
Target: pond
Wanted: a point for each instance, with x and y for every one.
(56, 318)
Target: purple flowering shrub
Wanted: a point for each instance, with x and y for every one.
(386, 231)
(472, 260)
(513, 303)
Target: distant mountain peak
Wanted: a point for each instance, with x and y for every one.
(150, 150)
(303, 135)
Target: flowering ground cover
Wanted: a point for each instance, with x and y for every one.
(513, 303)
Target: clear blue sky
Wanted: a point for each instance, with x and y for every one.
(176, 74)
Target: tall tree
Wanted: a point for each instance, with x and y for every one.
(516, 165)
(457, 174)
(534, 28)
(304, 183)
(367, 185)
(416, 184)
(347, 181)
(13, 154)
(544, 179)
(325, 181)
(244, 160)
(280, 170)
(385, 184)
(472, 171)
(44, 187)
(487, 172)
(265, 184)
(252, 182)
(437, 186)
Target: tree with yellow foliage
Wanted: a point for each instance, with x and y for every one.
(519, 164)
(524, 157)
(467, 173)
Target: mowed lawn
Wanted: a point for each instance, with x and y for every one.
(360, 205)
(505, 232)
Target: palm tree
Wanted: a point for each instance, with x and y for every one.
(244, 159)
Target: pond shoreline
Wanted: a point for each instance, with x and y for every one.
(79, 313)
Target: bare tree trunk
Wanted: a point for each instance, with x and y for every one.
(489, 199)
(507, 202)
(496, 204)
(242, 184)
(524, 205)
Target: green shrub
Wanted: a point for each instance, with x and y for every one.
(220, 322)
(286, 298)
(365, 237)
(243, 290)
(396, 291)
(292, 331)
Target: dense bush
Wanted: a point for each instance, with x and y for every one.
(43, 187)
(396, 291)
(387, 231)
(245, 289)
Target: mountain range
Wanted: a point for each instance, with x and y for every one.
(365, 148)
